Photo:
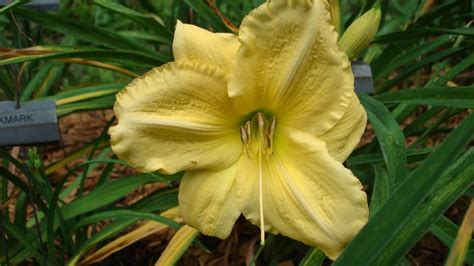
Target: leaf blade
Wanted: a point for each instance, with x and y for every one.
(390, 137)
(458, 97)
(368, 245)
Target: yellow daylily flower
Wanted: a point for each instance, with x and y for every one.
(261, 123)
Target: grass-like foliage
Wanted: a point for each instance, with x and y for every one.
(415, 160)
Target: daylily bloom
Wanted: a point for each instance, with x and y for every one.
(261, 123)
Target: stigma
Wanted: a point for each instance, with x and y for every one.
(257, 134)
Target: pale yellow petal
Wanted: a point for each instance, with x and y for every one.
(307, 194)
(289, 63)
(345, 135)
(207, 201)
(192, 43)
(176, 117)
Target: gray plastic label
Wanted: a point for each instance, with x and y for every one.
(363, 81)
(34, 122)
(26, 118)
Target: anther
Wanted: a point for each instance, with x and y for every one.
(244, 136)
(249, 132)
(269, 135)
(272, 126)
(260, 120)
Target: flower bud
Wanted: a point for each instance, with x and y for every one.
(361, 32)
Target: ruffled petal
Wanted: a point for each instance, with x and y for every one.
(345, 135)
(307, 194)
(192, 43)
(176, 117)
(207, 201)
(289, 63)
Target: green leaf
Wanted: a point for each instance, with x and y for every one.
(438, 11)
(372, 241)
(142, 36)
(40, 79)
(105, 195)
(23, 186)
(13, 179)
(458, 253)
(448, 188)
(6, 85)
(104, 234)
(12, 5)
(446, 231)
(99, 103)
(420, 120)
(33, 178)
(414, 34)
(178, 245)
(83, 31)
(414, 67)
(314, 257)
(460, 97)
(205, 12)
(21, 210)
(413, 155)
(121, 57)
(86, 93)
(443, 117)
(383, 188)
(162, 200)
(99, 197)
(452, 73)
(74, 155)
(407, 57)
(404, 110)
(29, 241)
(278, 249)
(390, 137)
(146, 21)
(124, 214)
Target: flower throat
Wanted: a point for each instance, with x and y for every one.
(257, 135)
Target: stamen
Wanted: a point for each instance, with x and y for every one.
(260, 120)
(260, 198)
(249, 132)
(272, 126)
(270, 133)
(244, 137)
(261, 126)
